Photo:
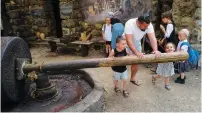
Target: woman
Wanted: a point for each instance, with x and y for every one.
(169, 32)
(117, 30)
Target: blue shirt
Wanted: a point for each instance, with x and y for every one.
(117, 30)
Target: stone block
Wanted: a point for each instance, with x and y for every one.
(29, 20)
(42, 22)
(39, 11)
(198, 3)
(46, 30)
(24, 28)
(195, 35)
(70, 38)
(26, 34)
(98, 26)
(66, 9)
(66, 31)
(187, 22)
(197, 14)
(76, 5)
(19, 2)
(14, 13)
(11, 7)
(35, 2)
(18, 21)
(95, 32)
(24, 2)
(68, 23)
(35, 28)
(78, 29)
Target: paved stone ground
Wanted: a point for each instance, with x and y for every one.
(144, 98)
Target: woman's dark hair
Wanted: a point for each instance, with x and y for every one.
(145, 18)
(115, 20)
(167, 14)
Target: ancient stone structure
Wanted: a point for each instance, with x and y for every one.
(71, 16)
(30, 16)
(187, 14)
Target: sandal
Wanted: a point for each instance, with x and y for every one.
(135, 82)
(125, 93)
(153, 79)
(117, 90)
(167, 87)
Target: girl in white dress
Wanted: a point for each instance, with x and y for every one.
(165, 69)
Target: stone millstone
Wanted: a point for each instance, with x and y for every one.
(13, 91)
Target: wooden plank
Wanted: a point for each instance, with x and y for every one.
(82, 42)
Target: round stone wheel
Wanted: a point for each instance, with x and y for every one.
(12, 90)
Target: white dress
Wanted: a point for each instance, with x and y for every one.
(165, 69)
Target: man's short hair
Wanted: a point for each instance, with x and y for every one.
(145, 18)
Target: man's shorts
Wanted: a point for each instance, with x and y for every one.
(137, 45)
(139, 49)
(119, 76)
(108, 42)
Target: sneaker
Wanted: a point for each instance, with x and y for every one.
(167, 87)
(181, 81)
(180, 77)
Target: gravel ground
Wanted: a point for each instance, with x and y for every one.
(144, 98)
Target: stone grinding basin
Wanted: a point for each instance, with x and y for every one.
(77, 91)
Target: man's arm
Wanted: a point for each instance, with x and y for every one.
(129, 41)
(153, 41)
(128, 53)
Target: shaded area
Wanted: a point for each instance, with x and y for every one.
(71, 89)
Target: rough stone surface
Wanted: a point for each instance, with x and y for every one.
(31, 13)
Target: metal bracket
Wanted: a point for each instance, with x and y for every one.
(20, 62)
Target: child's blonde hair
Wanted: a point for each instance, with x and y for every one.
(186, 32)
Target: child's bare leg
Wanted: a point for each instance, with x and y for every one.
(115, 83)
(107, 48)
(182, 75)
(124, 84)
(166, 80)
(156, 76)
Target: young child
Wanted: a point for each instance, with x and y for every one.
(165, 69)
(120, 72)
(169, 32)
(107, 35)
(182, 35)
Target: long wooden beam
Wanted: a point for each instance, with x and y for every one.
(105, 62)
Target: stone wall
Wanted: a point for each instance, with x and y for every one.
(187, 14)
(70, 13)
(30, 16)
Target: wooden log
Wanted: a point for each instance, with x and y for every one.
(105, 62)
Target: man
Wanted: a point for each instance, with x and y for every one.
(135, 29)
